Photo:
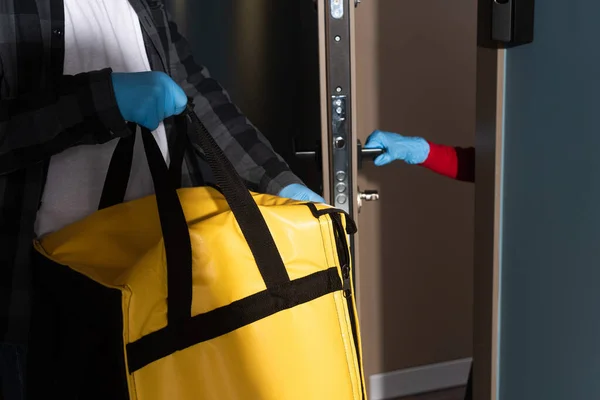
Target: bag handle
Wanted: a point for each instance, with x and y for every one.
(244, 208)
(174, 225)
(172, 218)
(175, 233)
(176, 236)
(119, 170)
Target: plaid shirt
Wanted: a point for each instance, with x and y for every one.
(44, 112)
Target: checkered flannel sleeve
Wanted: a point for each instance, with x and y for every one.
(83, 110)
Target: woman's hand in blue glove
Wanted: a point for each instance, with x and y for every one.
(147, 98)
(412, 150)
(299, 192)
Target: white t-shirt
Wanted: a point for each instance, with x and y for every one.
(98, 34)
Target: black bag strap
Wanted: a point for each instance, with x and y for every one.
(119, 170)
(176, 236)
(244, 208)
(178, 151)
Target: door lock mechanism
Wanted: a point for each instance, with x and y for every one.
(338, 143)
(367, 195)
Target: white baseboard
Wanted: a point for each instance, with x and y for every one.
(427, 378)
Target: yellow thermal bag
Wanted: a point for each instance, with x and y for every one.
(206, 293)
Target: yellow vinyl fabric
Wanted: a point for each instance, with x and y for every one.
(243, 339)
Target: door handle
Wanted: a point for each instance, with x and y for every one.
(367, 195)
(365, 154)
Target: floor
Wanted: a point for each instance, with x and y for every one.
(452, 394)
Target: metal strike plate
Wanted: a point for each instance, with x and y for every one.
(340, 152)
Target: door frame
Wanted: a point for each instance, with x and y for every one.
(490, 90)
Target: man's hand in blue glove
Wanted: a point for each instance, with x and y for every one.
(147, 98)
(412, 150)
(299, 192)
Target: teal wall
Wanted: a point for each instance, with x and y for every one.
(550, 265)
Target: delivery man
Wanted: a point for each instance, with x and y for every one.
(72, 72)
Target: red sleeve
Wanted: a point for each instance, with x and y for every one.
(453, 162)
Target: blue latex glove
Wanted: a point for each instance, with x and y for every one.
(300, 192)
(147, 98)
(412, 150)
